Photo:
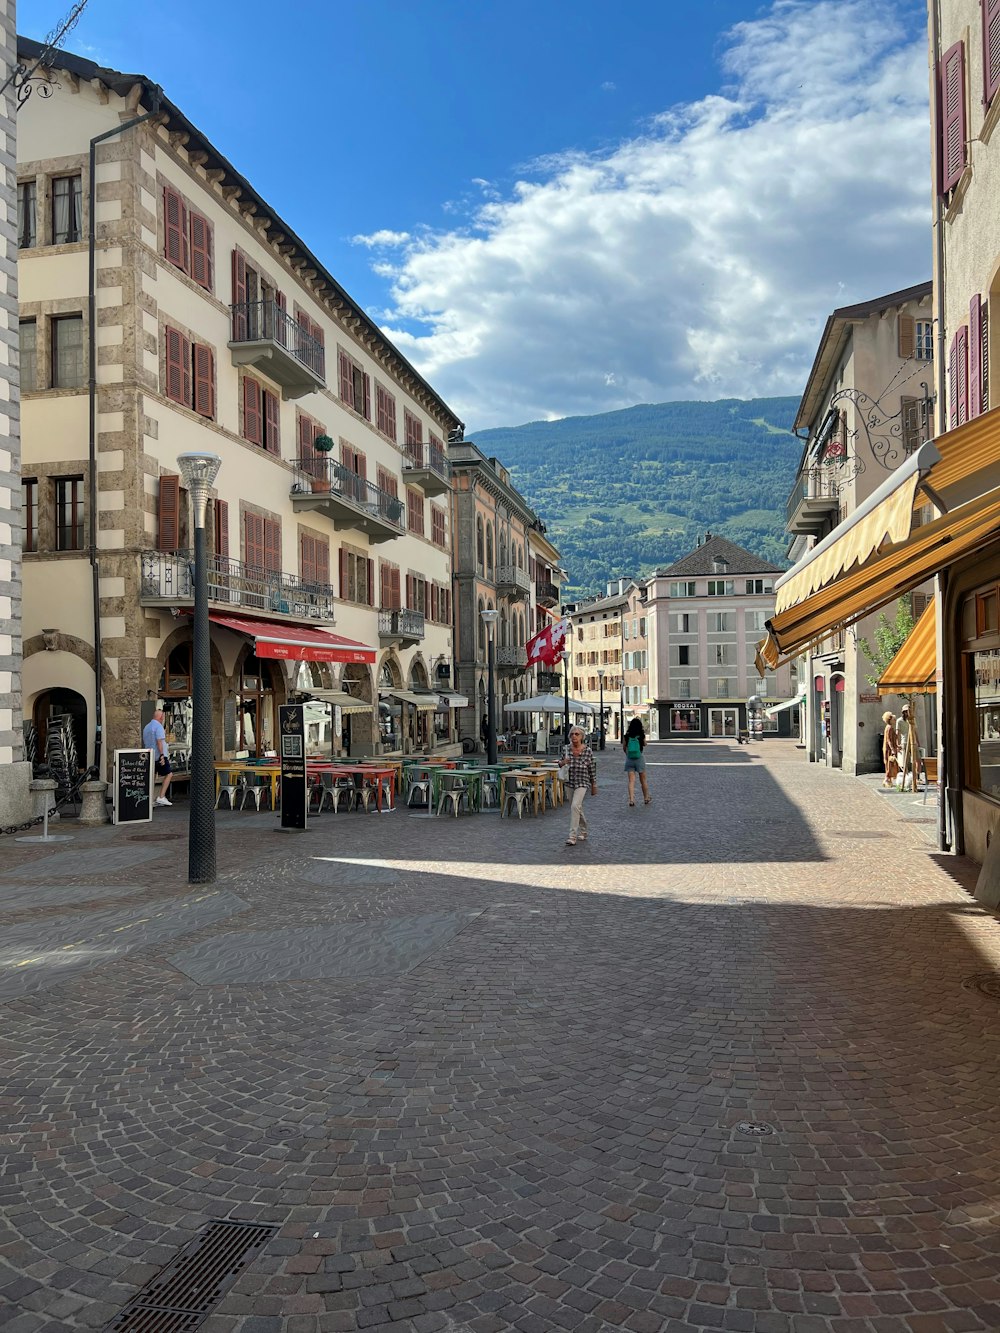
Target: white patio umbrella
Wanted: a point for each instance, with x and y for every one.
(547, 703)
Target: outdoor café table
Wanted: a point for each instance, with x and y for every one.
(232, 767)
(531, 777)
(551, 772)
(372, 770)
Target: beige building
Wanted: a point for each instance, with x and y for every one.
(867, 405)
(610, 657)
(211, 326)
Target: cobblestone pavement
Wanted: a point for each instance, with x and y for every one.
(491, 1082)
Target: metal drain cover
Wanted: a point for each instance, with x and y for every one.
(986, 983)
(759, 1128)
(181, 1297)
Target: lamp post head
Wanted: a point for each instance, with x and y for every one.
(600, 674)
(198, 472)
(490, 618)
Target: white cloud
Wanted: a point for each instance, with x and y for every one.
(608, 86)
(700, 258)
(382, 240)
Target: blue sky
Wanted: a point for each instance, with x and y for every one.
(556, 208)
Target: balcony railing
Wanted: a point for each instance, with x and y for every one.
(511, 657)
(399, 626)
(427, 467)
(167, 579)
(546, 592)
(512, 581)
(351, 501)
(262, 331)
(813, 497)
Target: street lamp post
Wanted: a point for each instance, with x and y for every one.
(490, 620)
(565, 661)
(198, 472)
(600, 681)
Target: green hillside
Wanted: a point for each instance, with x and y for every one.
(624, 492)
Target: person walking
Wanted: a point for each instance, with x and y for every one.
(155, 738)
(579, 759)
(890, 750)
(633, 744)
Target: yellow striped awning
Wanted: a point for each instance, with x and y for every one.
(914, 668)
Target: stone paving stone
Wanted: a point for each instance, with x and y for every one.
(26, 897)
(533, 1121)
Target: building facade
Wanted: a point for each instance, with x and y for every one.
(211, 326)
(610, 657)
(867, 405)
(705, 614)
(494, 531)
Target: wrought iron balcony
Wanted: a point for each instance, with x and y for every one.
(813, 504)
(546, 593)
(403, 627)
(511, 658)
(265, 335)
(548, 681)
(167, 579)
(426, 466)
(349, 500)
(512, 582)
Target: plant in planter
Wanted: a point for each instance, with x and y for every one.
(322, 444)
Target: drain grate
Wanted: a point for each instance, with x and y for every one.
(179, 1298)
(986, 983)
(755, 1127)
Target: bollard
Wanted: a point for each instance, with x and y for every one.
(43, 796)
(93, 803)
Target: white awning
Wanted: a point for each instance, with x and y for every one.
(788, 703)
(423, 703)
(347, 703)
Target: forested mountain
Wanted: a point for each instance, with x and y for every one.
(624, 492)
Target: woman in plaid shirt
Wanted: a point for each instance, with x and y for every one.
(579, 758)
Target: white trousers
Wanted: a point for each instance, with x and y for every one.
(577, 818)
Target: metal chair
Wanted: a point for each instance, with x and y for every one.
(491, 790)
(519, 797)
(256, 788)
(365, 791)
(230, 789)
(453, 793)
(421, 788)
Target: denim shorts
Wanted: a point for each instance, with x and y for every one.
(635, 765)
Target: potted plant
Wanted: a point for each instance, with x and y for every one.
(322, 444)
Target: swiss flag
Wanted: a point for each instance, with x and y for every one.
(547, 644)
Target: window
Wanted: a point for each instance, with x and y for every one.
(413, 437)
(958, 376)
(414, 511)
(683, 655)
(416, 594)
(262, 542)
(757, 587)
(261, 416)
(924, 343)
(67, 210)
(722, 688)
(356, 485)
(720, 587)
(625, 633)
(642, 627)
(951, 132)
(725, 654)
(356, 578)
(721, 622)
(190, 373)
(355, 385)
(685, 719)
(29, 511)
(754, 620)
(977, 357)
(67, 352)
(69, 513)
(916, 338)
(388, 483)
(991, 48)
(28, 334)
(389, 594)
(314, 559)
(188, 241)
(682, 589)
(385, 412)
(27, 214)
(437, 526)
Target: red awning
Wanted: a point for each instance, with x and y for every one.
(295, 643)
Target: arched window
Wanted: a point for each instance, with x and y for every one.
(520, 558)
(482, 628)
(504, 627)
(479, 542)
(502, 553)
(489, 550)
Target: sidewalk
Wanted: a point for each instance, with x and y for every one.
(730, 1064)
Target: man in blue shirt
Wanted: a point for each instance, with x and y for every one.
(155, 738)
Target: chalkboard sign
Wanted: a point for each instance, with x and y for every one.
(294, 805)
(132, 794)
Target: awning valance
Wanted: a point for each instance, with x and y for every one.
(295, 643)
(424, 703)
(914, 668)
(787, 703)
(347, 703)
(449, 699)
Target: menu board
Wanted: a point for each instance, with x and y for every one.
(294, 803)
(132, 787)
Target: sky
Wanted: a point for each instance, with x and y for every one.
(554, 208)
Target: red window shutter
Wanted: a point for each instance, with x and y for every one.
(272, 545)
(253, 540)
(346, 379)
(371, 582)
(385, 584)
(178, 363)
(221, 528)
(204, 380)
(240, 321)
(366, 410)
(409, 592)
(962, 366)
(252, 424)
(343, 573)
(951, 117)
(991, 48)
(169, 511)
(322, 558)
(201, 251)
(397, 601)
(434, 601)
(272, 422)
(307, 559)
(975, 357)
(175, 228)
